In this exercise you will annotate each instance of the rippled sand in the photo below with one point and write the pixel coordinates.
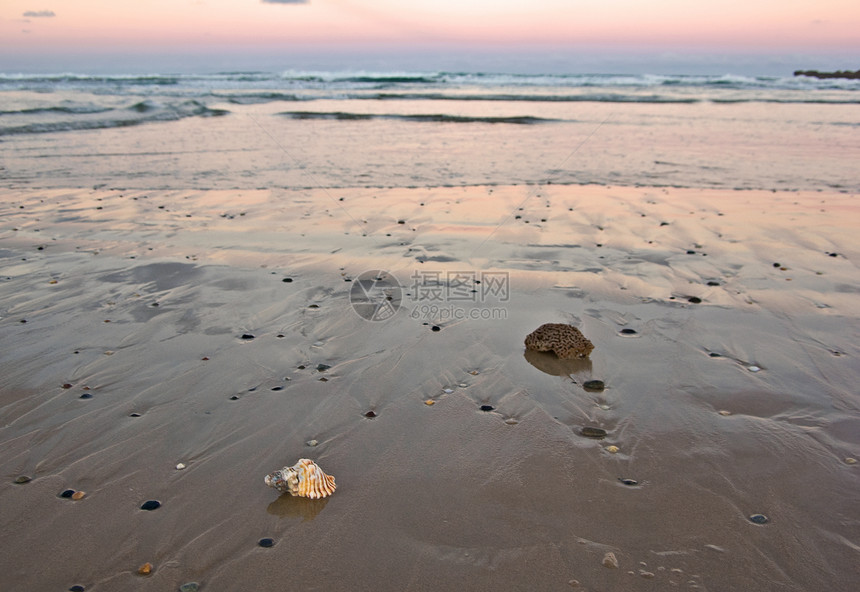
(732, 392)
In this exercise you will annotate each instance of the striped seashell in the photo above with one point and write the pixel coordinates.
(303, 479)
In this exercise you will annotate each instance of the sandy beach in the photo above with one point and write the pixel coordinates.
(214, 328)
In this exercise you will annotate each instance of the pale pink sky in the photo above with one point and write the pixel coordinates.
(43, 27)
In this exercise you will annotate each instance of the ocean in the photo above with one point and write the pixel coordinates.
(414, 129)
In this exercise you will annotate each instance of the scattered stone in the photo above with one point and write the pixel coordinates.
(150, 505)
(429, 402)
(67, 385)
(436, 328)
(487, 407)
(266, 543)
(777, 265)
(612, 449)
(610, 561)
(189, 587)
(759, 519)
(725, 412)
(715, 355)
(511, 421)
(474, 372)
(145, 569)
(646, 574)
(314, 306)
(68, 493)
(86, 396)
(592, 432)
(848, 461)
(628, 331)
(713, 283)
(180, 466)
(277, 388)
(311, 442)
(593, 385)
(628, 482)
(25, 479)
(573, 583)
(322, 367)
(447, 391)
(78, 495)
(287, 280)
(234, 398)
(247, 336)
(753, 368)
(370, 415)
(77, 588)
(694, 300)
(565, 341)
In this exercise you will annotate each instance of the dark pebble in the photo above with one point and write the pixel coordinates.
(322, 367)
(777, 265)
(370, 415)
(287, 280)
(759, 519)
(22, 479)
(487, 407)
(694, 299)
(591, 432)
(68, 493)
(247, 336)
(67, 386)
(234, 398)
(314, 306)
(134, 415)
(630, 482)
(628, 331)
(189, 587)
(691, 252)
(834, 254)
(300, 367)
(715, 355)
(77, 589)
(401, 221)
(277, 388)
(150, 505)
(436, 328)
(713, 283)
(86, 396)
(594, 385)
(266, 543)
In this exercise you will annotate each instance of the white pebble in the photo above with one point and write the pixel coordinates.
(180, 466)
(753, 368)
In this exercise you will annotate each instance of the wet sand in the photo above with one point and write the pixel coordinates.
(725, 331)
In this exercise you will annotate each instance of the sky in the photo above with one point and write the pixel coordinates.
(171, 35)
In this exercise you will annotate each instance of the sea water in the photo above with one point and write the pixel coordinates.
(413, 129)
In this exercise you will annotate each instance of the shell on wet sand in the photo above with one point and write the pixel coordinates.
(566, 341)
(303, 479)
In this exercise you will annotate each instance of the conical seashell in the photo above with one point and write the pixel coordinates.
(303, 479)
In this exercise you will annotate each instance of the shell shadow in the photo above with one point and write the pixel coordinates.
(287, 506)
(549, 363)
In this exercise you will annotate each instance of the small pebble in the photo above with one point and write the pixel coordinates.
(715, 355)
(628, 331)
(592, 432)
(573, 583)
(277, 388)
(848, 461)
(78, 495)
(474, 372)
(759, 519)
(247, 336)
(180, 466)
(487, 407)
(77, 589)
(145, 569)
(234, 398)
(311, 442)
(370, 414)
(725, 412)
(150, 505)
(322, 367)
(694, 300)
(753, 368)
(447, 391)
(86, 396)
(436, 328)
(25, 479)
(610, 561)
(429, 402)
(189, 587)
(511, 421)
(612, 449)
(593, 385)
(628, 482)
(67, 386)
(68, 493)
(287, 280)
(266, 543)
